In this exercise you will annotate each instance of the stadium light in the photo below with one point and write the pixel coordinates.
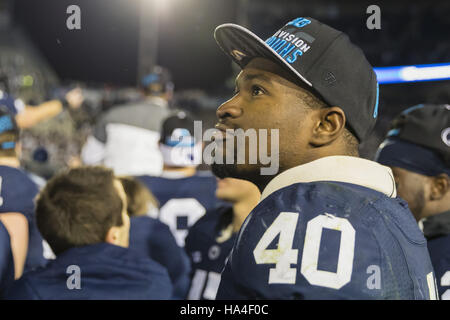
(414, 73)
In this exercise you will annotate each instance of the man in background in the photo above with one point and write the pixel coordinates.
(417, 149)
(126, 137)
(184, 193)
(211, 238)
(153, 238)
(28, 116)
(17, 192)
(82, 213)
(13, 249)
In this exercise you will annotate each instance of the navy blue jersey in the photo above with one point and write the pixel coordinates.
(101, 271)
(6, 261)
(182, 200)
(153, 238)
(17, 194)
(208, 247)
(439, 249)
(437, 230)
(329, 240)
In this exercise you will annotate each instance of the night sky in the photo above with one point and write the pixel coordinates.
(105, 49)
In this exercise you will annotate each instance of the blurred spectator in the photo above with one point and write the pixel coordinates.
(153, 238)
(28, 116)
(417, 148)
(141, 201)
(82, 214)
(211, 238)
(17, 193)
(126, 137)
(7, 263)
(183, 193)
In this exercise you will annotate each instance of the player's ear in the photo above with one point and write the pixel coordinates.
(440, 185)
(113, 235)
(329, 125)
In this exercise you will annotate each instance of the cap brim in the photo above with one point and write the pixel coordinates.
(242, 45)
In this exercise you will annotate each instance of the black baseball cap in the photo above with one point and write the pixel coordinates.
(426, 125)
(158, 81)
(178, 130)
(321, 57)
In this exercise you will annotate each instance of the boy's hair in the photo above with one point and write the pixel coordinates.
(78, 207)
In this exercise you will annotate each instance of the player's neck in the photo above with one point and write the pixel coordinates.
(183, 171)
(10, 162)
(241, 209)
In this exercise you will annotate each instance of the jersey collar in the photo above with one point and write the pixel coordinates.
(347, 169)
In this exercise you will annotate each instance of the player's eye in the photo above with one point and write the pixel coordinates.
(257, 91)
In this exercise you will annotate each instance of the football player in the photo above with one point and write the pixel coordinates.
(7, 263)
(211, 238)
(183, 193)
(125, 138)
(154, 238)
(17, 191)
(417, 148)
(329, 224)
(28, 116)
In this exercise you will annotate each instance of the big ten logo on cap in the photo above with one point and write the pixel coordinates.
(291, 45)
(299, 22)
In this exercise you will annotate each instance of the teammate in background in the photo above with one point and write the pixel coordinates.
(211, 238)
(82, 213)
(13, 249)
(153, 238)
(417, 149)
(184, 194)
(141, 202)
(324, 226)
(28, 116)
(7, 263)
(126, 137)
(17, 193)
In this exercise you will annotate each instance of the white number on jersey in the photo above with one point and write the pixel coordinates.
(212, 280)
(285, 225)
(284, 256)
(174, 209)
(445, 282)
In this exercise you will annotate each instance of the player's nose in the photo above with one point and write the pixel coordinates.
(228, 110)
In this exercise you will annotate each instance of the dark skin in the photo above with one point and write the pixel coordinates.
(268, 97)
(426, 196)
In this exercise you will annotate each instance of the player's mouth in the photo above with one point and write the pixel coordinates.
(223, 132)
